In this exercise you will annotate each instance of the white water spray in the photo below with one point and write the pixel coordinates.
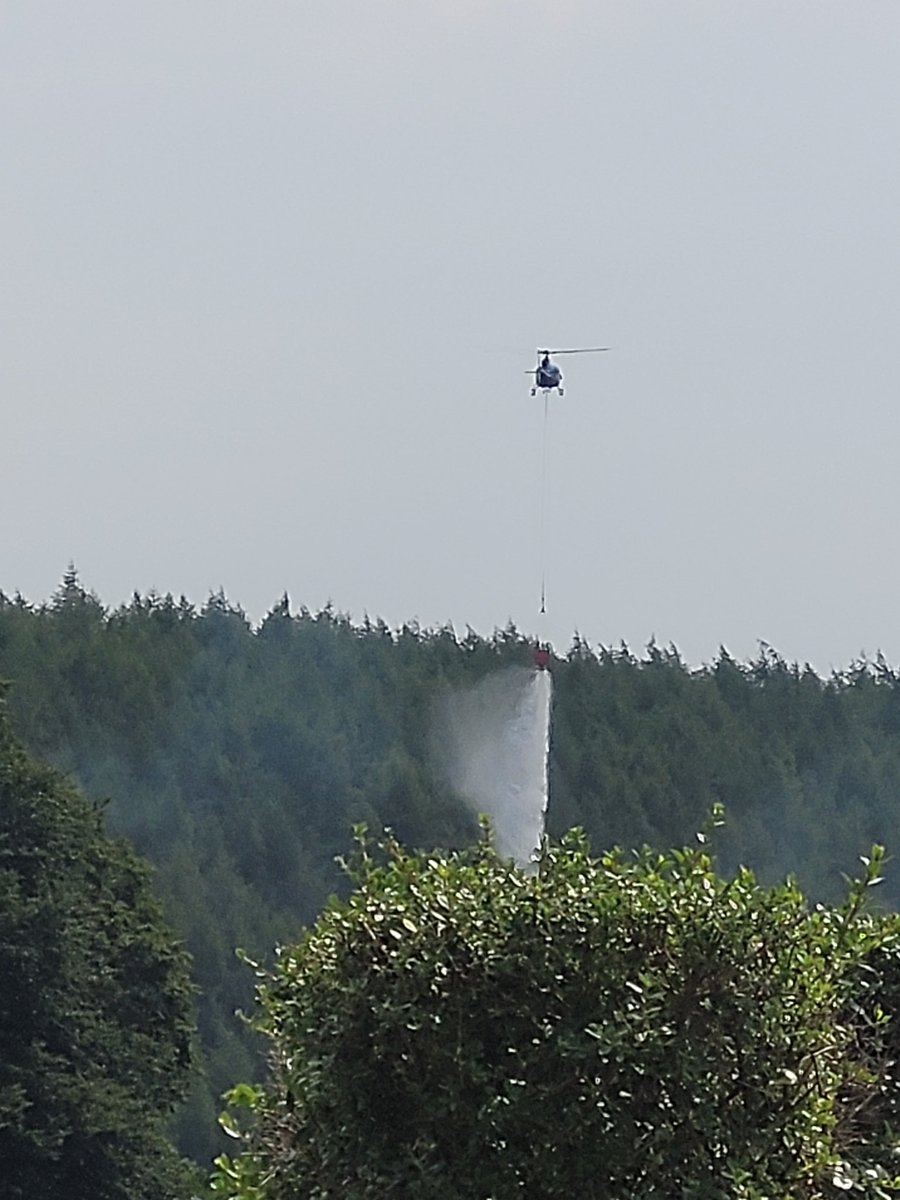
(493, 743)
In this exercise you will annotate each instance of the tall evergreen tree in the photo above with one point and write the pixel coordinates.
(95, 1007)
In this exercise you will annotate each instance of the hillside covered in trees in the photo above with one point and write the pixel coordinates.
(237, 759)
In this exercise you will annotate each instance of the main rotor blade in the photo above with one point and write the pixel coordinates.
(585, 350)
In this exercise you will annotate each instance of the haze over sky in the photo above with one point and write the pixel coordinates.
(272, 274)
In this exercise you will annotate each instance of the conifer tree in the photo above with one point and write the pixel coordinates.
(95, 1007)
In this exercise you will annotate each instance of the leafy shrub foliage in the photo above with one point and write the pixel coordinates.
(623, 1026)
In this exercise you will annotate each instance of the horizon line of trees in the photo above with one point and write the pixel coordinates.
(238, 758)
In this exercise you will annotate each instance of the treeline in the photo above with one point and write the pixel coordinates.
(237, 758)
(808, 769)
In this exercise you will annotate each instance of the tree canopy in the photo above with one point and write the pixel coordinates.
(623, 1025)
(96, 1011)
(237, 757)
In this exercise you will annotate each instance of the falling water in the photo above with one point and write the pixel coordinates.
(493, 743)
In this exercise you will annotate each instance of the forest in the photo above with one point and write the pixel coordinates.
(237, 758)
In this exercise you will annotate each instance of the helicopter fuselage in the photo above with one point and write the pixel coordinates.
(548, 377)
(547, 374)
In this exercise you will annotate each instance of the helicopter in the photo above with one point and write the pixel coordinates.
(547, 374)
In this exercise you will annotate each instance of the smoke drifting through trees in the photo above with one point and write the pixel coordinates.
(492, 743)
(238, 759)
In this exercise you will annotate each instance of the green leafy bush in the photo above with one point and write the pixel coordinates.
(616, 1027)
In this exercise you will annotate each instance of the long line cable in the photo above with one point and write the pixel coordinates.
(544, 440)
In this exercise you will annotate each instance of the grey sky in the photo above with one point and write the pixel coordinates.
(272, 274)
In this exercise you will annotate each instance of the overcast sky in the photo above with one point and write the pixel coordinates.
(272, 274)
